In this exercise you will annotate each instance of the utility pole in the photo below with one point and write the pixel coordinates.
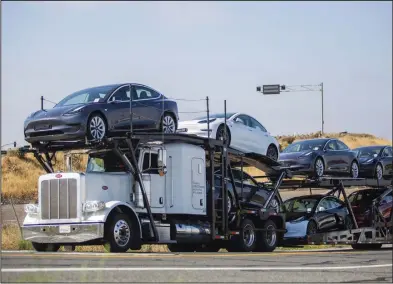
(278, 89)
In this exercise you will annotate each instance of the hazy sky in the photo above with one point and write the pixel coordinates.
(218, 49)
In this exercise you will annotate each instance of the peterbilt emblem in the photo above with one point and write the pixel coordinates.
(58, 175)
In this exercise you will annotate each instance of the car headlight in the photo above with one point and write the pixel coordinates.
(75, 110)
(369, 161)
(93, 206)
(31, 209)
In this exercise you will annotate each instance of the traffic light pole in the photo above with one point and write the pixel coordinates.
(277, 89)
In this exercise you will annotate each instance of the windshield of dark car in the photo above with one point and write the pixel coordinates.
(300, 205)
(304, 146)
(86, 96)
(368, 152)
(217, 115)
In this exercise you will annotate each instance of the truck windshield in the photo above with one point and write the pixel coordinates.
(105, 162)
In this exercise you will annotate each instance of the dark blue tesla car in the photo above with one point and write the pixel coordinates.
(375, 161)
(320, 156)
(96, 112)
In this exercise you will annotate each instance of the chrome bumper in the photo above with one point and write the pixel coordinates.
(60, 233)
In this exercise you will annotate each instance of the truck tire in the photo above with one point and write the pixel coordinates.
(45, 247)
(267, 241)
(182, 247)
(247, 239)
(118, 233)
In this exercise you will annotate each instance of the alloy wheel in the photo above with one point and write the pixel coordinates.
(248, 235)
(379, 171)
(168, 124)
(319, 168)
(354, 170)
(121, 233)
(97, 127)
(271, 235)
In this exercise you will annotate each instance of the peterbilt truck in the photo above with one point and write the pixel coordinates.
(155, 193)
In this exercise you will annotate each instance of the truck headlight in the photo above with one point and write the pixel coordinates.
(92, 206)
(31, 209)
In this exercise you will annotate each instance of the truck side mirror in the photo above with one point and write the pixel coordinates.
(161, 160)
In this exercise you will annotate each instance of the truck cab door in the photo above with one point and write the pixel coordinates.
(198, 183)
(153, 182)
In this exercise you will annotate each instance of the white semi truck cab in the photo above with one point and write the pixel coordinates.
(156, 193)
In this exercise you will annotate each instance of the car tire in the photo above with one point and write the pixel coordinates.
(247, 239)
(312, 228)
(118, 233)
(96, 127)
(272, 152)
(354, 171)
(267, 240)
(379, 171)
(45, 247)
(319, 168)
(220, 134)
(168, 124)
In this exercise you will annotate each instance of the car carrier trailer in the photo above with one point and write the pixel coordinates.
(379, 233)
(172, 203)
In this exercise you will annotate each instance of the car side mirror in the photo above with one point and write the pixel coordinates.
(321, 208)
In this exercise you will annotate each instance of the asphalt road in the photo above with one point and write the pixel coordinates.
(345, 266)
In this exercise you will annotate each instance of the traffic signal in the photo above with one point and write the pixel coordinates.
(14, 144)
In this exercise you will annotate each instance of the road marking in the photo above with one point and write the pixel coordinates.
(164, 255)
(217, 268)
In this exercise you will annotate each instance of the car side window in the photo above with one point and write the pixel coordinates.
(243, 119)
(122, 94)
(143, 93)
(256, 124)
(334, 203)
(341, 145)
(323, 205)
(331, 146)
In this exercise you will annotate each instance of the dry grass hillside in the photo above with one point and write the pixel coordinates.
(20, 173)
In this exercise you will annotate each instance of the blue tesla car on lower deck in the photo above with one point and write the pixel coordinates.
(95, 112)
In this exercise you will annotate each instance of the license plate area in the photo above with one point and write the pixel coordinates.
(64, 229)
(43, 127)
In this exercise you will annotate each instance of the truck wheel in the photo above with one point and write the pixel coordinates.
(118, 233)
(181, 247)
(267, 240)
(246, 240)
(45, 247)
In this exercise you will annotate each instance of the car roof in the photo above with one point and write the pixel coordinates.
(315, 139)
(311, 196)
(371, 147)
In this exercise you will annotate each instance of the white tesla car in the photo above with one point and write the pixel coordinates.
(244, 132)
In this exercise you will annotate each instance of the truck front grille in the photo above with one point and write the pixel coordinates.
(59, 199)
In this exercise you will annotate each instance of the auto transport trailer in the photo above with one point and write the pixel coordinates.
(152, 189)
(379, 232)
